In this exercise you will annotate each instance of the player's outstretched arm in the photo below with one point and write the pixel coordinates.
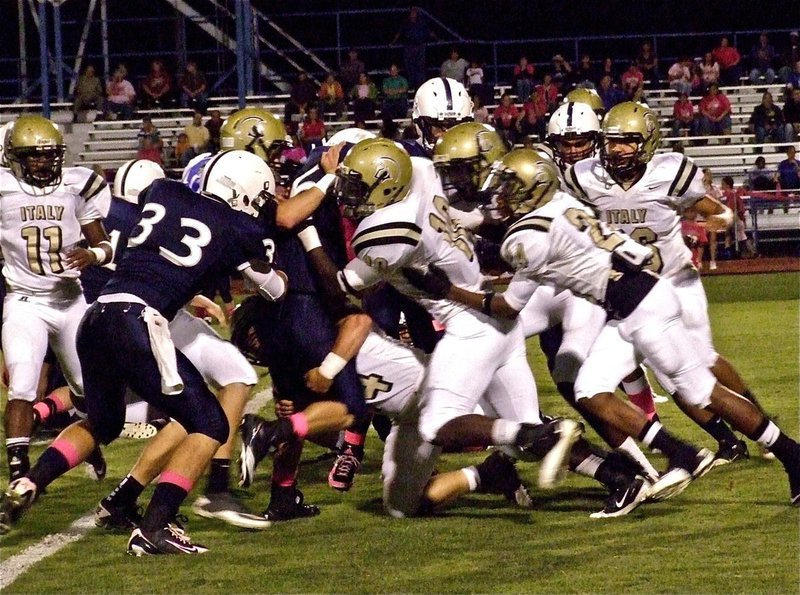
(353, 331)
(718, 216)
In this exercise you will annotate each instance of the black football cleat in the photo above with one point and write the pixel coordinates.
(730, 452)
(287, 504)
(110, 516)
(168, 540)
(344, 469)
(499, 476)
(624, 499)
(258, 440)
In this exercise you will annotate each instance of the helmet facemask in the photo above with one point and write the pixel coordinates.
(431, 129)
(353, 192)
(37, 166)
(572, 147)
(624, 166)
(463, 178)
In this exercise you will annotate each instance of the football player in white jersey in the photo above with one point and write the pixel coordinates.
(643, 193)
(405, 222)
(566, 324)
(558, 241)
(45, 211)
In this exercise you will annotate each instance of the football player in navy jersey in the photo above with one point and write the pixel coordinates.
(181, 239)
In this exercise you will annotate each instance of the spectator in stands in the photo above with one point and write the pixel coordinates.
(150, 143)
(698, 86)
(761, 57)
(562, 74)
(395, 95)
(683, 117)
(632, 80)
(610, 95)
(714, 192)
(549, 91)
(479, 112)
(789, 170)
(532, 119)
(121, 95)
(331, 96)
(715, 112)
(648, 63)
(794, 77)
(302, 94)
(523, 78)
(198, 137)
(474, 78)
(389, 129)
(454, 67)
(312, 130)
(710, 68)
(767, 121)
(728, 59)
(350, 70)
(607, 69)
(414, 34)
(760, 178)
(737, 233)
(791, 113)
(214, 123)
(88, 92)
(790, 57)
(680, 75)
(586, 73)
(181, 146)
(363, 96)
(505, 118)
(194, 90)
(157, 86)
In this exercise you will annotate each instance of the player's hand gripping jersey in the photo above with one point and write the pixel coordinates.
(38, 230)
(649, 211)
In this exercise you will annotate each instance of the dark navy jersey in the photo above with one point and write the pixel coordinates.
(414, 149)
(121, 219)
(184, 240)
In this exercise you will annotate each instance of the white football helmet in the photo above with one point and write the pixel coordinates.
(442, 103)
(4, 130)
(134, 176)
(349, 135)
(241, 179)
(573, 133)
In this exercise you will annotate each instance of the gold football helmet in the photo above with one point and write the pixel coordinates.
(588, 96)
(628, 123)
(375, 173)
(35, 151)
(255, 130)
(463, 157)
(523, 180)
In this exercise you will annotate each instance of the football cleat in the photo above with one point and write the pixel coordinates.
(553, 442)
(168, 540)
(95, 463)
(138, 430)
(287, 504)
(225, 507)
(670, 484)
(624, 499)
(730, 452)
(794, 484)
(258, 440)
(344, 469)
(660, 398)
(112, 517)
(704, 461)
(18, 497)
(499, 476)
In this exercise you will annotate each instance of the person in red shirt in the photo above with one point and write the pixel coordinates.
(728, 59)
(734, 201)
(632, 79)
(523, 78)
(505, 118)
(549, 92)
(312, 131)
(683, 122)
(715, 112)
(532, 120)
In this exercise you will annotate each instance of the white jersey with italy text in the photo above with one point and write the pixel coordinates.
(650, 210)
(563, 245)
(38, 231)
(415, 232)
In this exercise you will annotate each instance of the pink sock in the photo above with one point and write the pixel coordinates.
(179, 480)
(67, 450)
(299, 424)
(354, 438)
(283, 477)
(43, 410)
(644, 401)
(60, 405)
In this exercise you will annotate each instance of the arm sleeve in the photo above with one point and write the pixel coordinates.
(271, 286)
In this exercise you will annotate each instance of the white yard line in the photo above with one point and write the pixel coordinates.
(13, 567)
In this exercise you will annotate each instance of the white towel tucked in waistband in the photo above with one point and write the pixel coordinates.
(163, 350)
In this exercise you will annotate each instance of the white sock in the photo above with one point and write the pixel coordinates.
(504, 431)
(473, 479)
(769, 436)
(632, 449)
(589, 465)
(136, 412)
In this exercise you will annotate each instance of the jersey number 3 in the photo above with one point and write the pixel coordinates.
(152, 214)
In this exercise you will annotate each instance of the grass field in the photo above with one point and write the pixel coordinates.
(730, 532)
